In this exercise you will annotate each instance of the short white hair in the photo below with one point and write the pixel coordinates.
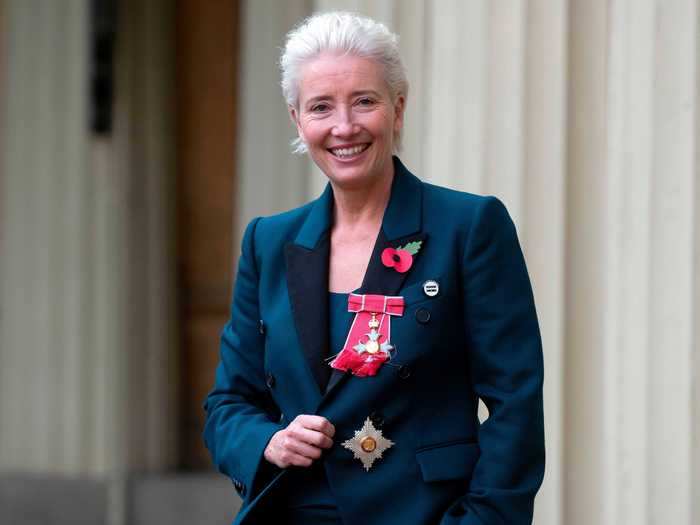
(345, 33)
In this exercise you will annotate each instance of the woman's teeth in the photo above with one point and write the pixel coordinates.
(349, 152)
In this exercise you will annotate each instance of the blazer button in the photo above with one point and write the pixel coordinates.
(404, 372)
(422, 315)
(261, 327)
(377, 419)
(270, 381)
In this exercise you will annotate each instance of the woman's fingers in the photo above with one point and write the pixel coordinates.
(301, 442)
(285, 458)
(299, 447)
(317, 423)
(288, 458)
(311, 437)
(278, 452)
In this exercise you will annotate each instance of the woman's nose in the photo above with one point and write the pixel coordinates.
(344, 124)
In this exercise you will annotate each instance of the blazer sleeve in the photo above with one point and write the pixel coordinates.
(240, 410)
(507, 374)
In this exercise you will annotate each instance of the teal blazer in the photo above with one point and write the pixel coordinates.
(477, 338)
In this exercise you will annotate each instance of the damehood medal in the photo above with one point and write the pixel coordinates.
(368, 345)
(368, 445)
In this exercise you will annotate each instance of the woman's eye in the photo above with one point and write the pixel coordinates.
(365, 102)
(319, 108)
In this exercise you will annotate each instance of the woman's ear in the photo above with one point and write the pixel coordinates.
(294, 117)
(399, 107)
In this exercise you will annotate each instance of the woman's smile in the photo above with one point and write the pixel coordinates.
(348, 152)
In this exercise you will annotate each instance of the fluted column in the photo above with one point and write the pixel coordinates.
(626, 346)
(143, 156)
(674, 219)
(585, 292)
(271, 179)
(633, 216)
(87, 351)
(46, 342)
(542, 220)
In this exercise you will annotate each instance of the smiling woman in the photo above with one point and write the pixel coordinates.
(367, 324)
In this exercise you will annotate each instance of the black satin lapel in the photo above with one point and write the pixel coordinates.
(379, 280)
(307, 281)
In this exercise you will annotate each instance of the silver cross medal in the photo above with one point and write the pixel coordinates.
(372, 346)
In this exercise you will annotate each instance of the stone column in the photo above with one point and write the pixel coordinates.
(271, 179)
(542, 220)
(631, 388)
(673, 222)
(46, 355)
(625, 253)
(87, 350)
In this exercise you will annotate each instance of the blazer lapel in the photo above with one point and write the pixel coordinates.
(401, 224)
(307, 282)
(380, 279)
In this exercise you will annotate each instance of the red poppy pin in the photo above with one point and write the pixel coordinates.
(401, 258)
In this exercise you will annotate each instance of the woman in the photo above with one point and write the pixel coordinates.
(367, 324)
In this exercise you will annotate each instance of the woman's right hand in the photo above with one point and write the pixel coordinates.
(301, 442)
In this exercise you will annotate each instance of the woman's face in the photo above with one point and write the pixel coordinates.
(347, 119)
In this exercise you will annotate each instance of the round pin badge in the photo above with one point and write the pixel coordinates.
(431, 288)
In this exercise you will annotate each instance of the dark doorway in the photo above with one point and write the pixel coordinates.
(207, 68)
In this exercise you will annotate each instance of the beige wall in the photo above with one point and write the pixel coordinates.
(582, 116)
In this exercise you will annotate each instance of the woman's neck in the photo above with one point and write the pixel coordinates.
(358, 208)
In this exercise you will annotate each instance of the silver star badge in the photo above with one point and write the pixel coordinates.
(368, 444)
